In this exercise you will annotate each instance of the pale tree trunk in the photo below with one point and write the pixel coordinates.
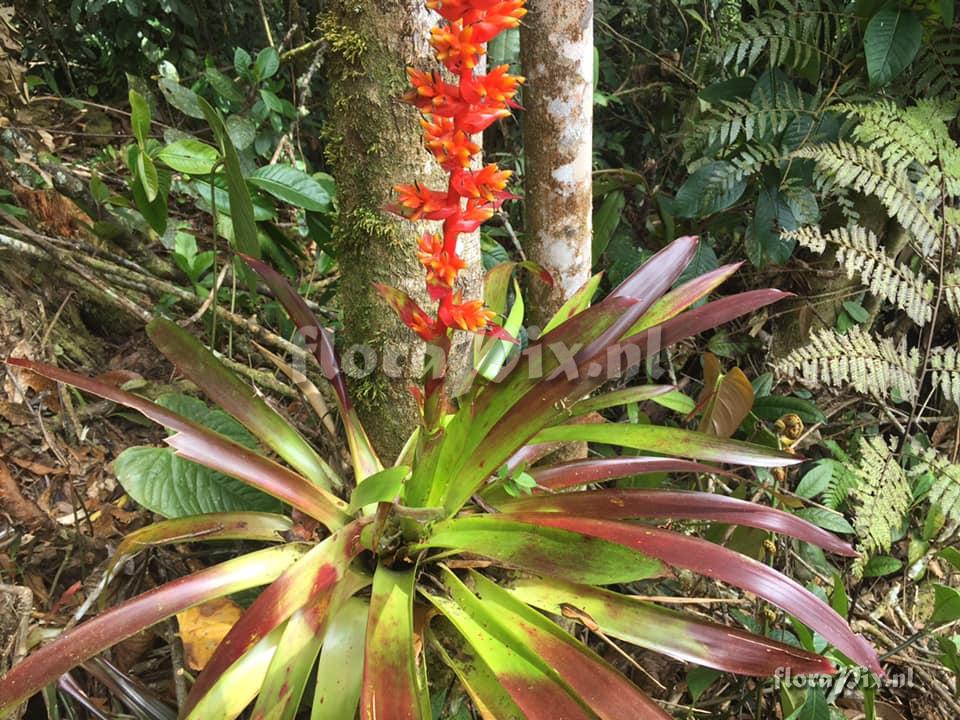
(374, 142)
(557, 56)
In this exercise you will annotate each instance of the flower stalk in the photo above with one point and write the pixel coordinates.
(453, 113)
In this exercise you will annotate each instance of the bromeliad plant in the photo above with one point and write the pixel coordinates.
(431, 561)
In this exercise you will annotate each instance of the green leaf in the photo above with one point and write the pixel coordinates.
(242, 131)
(699, 679)
(139, 116)
(948, 11)
(383, 486)
(147, 174)
(676, 401)
(815, 707)
(223, 86)
(189, 156)
(292, 186)
(241, 61)
(183, 99)
(173, 487)
(267, 64)
(816, 480)
(340, 668)
(952, 556)
(946, 605)
(856, 311)
(711, 188)
(891, 41)
(882, 565)
(773, 407)
(827, 519)
(241, 206)
(605, 221)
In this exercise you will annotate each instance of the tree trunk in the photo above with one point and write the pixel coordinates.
(557, 55)
(373, 140)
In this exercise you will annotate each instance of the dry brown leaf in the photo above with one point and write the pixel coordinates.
(202, 628)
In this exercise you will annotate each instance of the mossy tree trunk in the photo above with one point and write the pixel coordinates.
(556, 43)
(373, 141)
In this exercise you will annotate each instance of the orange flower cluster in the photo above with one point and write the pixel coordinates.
(453, 114)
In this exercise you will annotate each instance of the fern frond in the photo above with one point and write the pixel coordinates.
(935, 72)
(944, 496)
(793, 32)
(882, 495)
(860, 254)
(945, 366)
(862, 169)
(951, 291)
(842, 483)
(868, 365)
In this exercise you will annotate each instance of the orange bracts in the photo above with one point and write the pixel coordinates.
(453, 113)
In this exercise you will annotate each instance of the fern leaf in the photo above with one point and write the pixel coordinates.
(944, 495)
(860, 254)
(863, 169)
(945, 364)
(882, 495)
(951, 291)
(868, 365)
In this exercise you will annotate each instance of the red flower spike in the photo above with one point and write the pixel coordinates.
(452, 115)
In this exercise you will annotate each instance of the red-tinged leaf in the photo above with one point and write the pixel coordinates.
(218, 453)
(679, 299)
(656, 275)
(637, 393)
(531, 688)
(320, 342)
(616, 504)
(319, 338)
(211, 449)
(726, 399)
(236, 688)
(496, 282)
(311, 581)
(237, 398)
(490, 699)
(409, 312)
(605, 691)
(107, 629)
(263, 527)
(722, 564)
(391, 680)
(577, 303)
(681, 636)
(585, 472)
(543, 551)
(340, 668)
(515, 426)
(670, 441)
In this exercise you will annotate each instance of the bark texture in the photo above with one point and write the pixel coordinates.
(373, 141)
(557, 55)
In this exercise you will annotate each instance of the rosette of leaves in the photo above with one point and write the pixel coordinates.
(431, 560)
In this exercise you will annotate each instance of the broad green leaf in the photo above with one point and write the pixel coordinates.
(605, 221)
(340, 668)
(890, 42)
(139, 117)
(292, 186)
(882, 565)
(173, 487)
(946, 604)
(577, 303)
(147, 174)
(383, 486)
(773, 407)
(224, 86)
(816, 480)
(952, 556)
(183, 99)
(827, 519)
(242, 131)
(699, 679)
(267, 64)
(545, 551)
(676, 401)
(189, 156)
(711, 188)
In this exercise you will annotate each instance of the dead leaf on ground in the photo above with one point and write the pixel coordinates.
(202, 628)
